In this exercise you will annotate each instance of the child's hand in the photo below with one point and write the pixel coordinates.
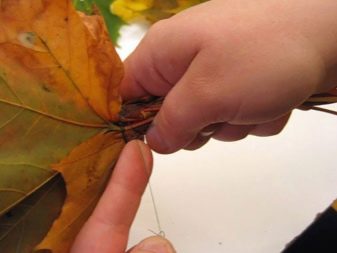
(232, 68)
(107, 230)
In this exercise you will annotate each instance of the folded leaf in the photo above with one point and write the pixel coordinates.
(26, 224)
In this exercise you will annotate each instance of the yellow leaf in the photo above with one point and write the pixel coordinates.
(60, 115)
(85, 171)
(54, 30)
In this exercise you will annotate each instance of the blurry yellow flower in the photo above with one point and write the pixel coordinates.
(130, 9)
(153, 10)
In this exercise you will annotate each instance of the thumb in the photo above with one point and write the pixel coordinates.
(154, 244)
(158, 64)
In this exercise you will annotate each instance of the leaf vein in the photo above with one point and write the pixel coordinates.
(18, 246)
(24, 164)
(104, 147)
(28, 194)
(11, 89)
(66, 72)
(28, 212)
(12, 190)
(57, 118)
(30, 129)
(11, 119)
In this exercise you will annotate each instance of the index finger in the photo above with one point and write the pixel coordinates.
(107, 229)
(159, 61)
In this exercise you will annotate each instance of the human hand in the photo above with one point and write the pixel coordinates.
(107, 229)
(233, 68)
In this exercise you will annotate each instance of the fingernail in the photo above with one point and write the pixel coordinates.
(210, 130)
(206, 134)
(156, 244)
(156, 141)
(145, 152)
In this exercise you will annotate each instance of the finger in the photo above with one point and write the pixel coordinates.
(230, 132)
(203, 137)
(271, 128)
(107, 229)
(198, 142)
(200, 98)
(155, 66)
(154, 244)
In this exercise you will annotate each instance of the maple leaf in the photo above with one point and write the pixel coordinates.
(62, 125)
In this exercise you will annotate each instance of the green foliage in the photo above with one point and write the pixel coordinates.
(112, 21)
(85, 6)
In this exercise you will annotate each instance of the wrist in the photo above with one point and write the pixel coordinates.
(316, 22)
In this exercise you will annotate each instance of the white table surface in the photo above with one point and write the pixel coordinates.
(249, 196)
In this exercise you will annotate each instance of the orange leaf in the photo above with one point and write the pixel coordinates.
(60, 114)
(59, 77)
(86, 170)
(53, 31)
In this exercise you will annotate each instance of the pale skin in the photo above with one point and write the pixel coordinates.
(227, 69)
(107, 230)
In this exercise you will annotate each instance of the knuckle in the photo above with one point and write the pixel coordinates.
(168, 118)
(157, 31)
(173, 124)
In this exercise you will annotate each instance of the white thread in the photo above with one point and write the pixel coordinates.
(161, 232)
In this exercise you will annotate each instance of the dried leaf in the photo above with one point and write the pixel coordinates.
(59, 77)
(85, 171)
(20, 229)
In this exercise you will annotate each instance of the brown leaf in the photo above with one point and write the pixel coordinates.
(19, 229)
(59, 77)
(59, 106)
(86, 171)
(58, 41)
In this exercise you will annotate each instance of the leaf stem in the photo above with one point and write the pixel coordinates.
(139, 124)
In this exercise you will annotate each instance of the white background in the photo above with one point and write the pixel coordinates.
(250, 196)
